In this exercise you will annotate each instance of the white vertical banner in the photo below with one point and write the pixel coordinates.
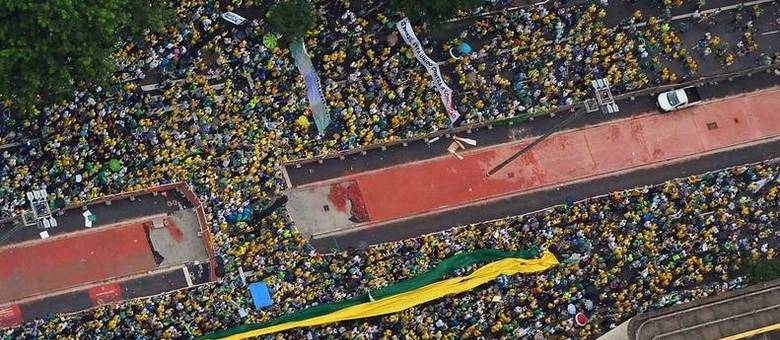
(319, 109)
(405, 28)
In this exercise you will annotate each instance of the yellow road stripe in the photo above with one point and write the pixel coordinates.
(753, 332)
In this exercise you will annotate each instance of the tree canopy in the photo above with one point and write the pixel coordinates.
(49, 47)
(434, 11)
(291, 18)
(761, 270)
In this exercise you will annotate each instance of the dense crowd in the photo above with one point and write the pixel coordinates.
(623, 253)
(224, 115)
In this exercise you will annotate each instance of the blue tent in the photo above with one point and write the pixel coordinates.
(260, 295)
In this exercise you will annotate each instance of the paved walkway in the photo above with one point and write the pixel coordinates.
(124, 255)
(48, 266)
(120, 210)
(407, 190)
(417, 150)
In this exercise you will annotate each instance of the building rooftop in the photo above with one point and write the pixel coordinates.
(732, 313)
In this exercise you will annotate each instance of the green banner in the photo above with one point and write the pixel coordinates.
(446, 267)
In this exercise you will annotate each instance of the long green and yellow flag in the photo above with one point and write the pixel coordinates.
(403, 295)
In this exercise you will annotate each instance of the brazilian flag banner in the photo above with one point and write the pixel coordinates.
(405, 294)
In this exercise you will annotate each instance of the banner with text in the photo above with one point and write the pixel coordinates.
(313, 88)
(405, 28)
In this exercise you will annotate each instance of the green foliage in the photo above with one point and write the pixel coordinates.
(291, 18)
(49, 47)
(434, 11)
(763, 270)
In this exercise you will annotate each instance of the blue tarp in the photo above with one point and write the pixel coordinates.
(464, 48)
(260, 295)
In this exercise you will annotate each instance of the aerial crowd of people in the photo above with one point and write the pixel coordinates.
(223, 113)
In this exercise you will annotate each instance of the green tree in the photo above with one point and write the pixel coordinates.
(434, 11)
(762, 270)
(50, 47)
(291, 18)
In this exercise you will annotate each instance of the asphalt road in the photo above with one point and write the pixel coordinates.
(133, 288)
(722, 26)
(534, 201)
(420, 150)
(121, 210)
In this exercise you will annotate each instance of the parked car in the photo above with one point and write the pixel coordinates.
(678, 99)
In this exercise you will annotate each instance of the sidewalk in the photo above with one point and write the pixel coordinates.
(418, 150)
(389, 194)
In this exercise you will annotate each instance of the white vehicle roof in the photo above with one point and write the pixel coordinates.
(671, 100)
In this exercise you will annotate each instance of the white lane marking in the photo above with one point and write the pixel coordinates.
(771, 32)
(507, 9)
(643, 24)
(112, 291)
(712, 10)
(187, 275)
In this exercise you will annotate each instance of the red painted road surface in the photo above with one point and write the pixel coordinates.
(416, 188)
(10, 316)
(49, 266)
(104, 294)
